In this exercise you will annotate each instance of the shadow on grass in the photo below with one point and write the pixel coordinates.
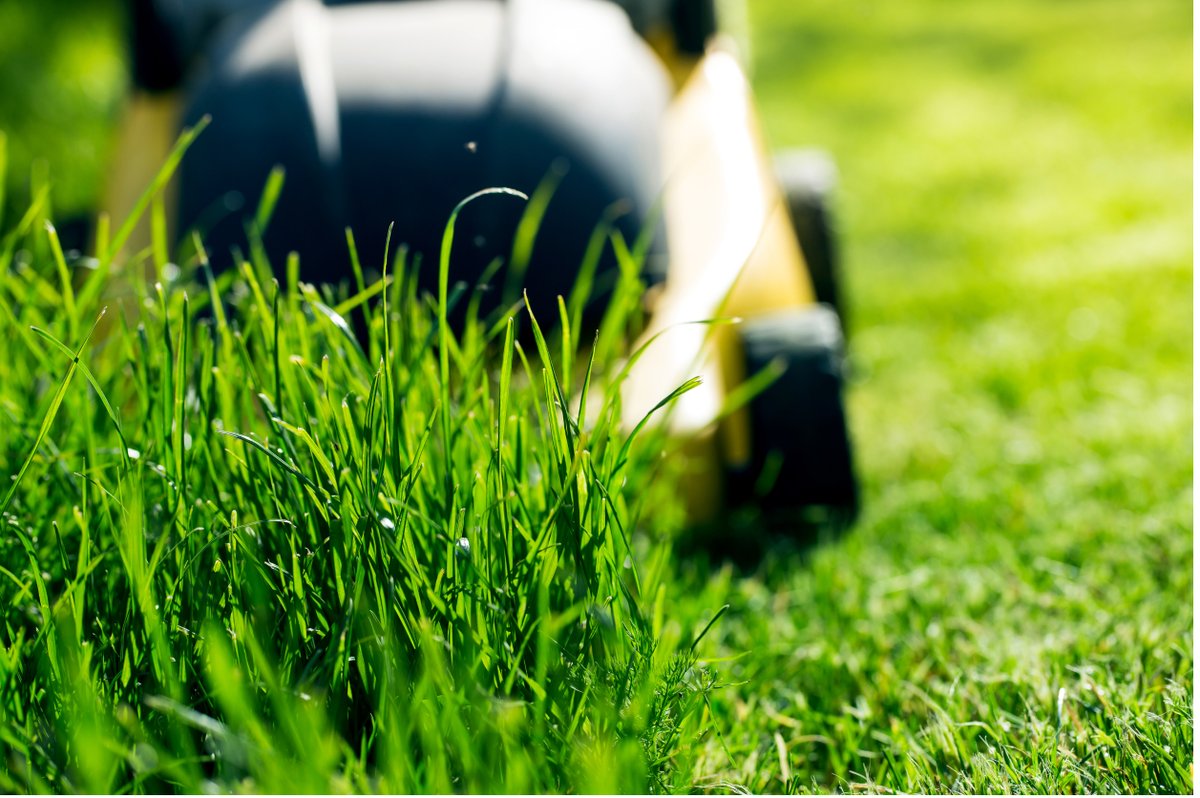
(747, 537)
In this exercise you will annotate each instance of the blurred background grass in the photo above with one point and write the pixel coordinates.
(62, 75)
(1016, 204)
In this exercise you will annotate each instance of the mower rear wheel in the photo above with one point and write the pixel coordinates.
(808, 179)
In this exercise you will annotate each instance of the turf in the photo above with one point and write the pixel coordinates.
(1012, 612)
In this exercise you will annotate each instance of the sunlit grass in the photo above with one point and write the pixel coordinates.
(1014, 611)
(247, 549)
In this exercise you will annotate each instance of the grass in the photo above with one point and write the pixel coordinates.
(249, 551)
(61, 78)
(1012, 612)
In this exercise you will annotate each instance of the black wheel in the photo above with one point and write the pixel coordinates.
(694, 22)
(808, 178)
(801, 465)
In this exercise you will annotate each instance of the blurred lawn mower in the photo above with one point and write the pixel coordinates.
(641, 115)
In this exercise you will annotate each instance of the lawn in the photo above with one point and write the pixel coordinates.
(1017, 598)
(295, 609)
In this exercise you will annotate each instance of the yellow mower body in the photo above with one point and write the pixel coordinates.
(734, 256)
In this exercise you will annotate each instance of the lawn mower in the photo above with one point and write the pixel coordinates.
(637, 111)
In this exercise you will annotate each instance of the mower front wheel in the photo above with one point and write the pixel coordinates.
(800, 465)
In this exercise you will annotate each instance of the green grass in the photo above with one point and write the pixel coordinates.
(247, 551)
(1013, 611)
(60, 82)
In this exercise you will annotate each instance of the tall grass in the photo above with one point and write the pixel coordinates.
(250, 548)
